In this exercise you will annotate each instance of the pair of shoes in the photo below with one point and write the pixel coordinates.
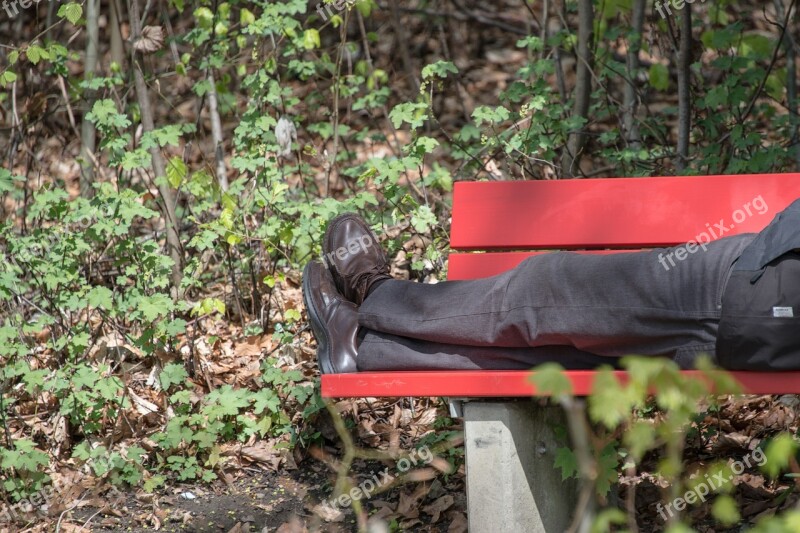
(352, 264)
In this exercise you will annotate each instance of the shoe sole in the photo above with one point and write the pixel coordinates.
(320, 333)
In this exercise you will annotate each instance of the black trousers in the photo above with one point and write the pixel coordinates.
(576, 309)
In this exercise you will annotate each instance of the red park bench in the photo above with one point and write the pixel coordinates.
(512, 484)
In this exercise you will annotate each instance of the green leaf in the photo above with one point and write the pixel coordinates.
(175, 327)
(311, 39)
(365, 7)
(755, 46)
(639, 438)
(659, 77)
(424, 145)
(104, 113)
(722, 38)
(610, 402)
(164, 136)
(246, 17)
(7, 180)
(72, 12)
(680, 527)
(101, 297)
(226, 218)
(266, 400)
(153, 483)
(172, 374)
(606, 518)
(205, 17)
(301, 394)
(440, 69)
(607, 468)
(490, 115)
(779, 451)
(414, 113)
(549, 379)
(176, 171)
(424, 219)
(155, 306)
(776, 83)
(35, 53)
(7, 78)
(566, 461)
(208, 306)
(725, 510)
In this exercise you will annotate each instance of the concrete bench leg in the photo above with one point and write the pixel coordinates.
(512, 484)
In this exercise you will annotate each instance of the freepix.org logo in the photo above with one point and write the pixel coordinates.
(352, 247)
(701, 489)
(11, 7)
(756, 206)
(380, 480)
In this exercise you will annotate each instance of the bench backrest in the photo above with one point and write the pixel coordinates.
(602, 215)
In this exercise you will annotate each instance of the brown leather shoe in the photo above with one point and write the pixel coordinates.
(333, 319)
(352, 254)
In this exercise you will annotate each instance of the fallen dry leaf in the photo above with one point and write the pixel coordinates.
(143, 407)
(458, 523)
(438, 507)
(66, 527)
(407, 506)
(295, 525)
(328, 513)
(152, 40)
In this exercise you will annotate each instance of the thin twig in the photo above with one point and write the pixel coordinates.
(684, 101)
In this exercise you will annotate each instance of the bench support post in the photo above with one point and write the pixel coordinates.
(512, 484)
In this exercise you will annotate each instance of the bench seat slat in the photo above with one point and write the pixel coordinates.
(610, 212)
(507, 383)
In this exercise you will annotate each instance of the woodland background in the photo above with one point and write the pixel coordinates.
(168, 168)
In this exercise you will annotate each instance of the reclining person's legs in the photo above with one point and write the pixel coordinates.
(647, 303)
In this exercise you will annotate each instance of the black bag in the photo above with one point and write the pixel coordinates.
(760, 324)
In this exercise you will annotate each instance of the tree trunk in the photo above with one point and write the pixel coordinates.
(216, 131)
(791, 80)
(570, 160)
(631, 102)
(159, 167)
(88, 133)
(117, 49)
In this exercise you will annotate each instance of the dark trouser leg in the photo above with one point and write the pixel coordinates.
(646, 303)
(383, 351)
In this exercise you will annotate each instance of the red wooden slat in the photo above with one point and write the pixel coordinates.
(610, 213)
(511, 383)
